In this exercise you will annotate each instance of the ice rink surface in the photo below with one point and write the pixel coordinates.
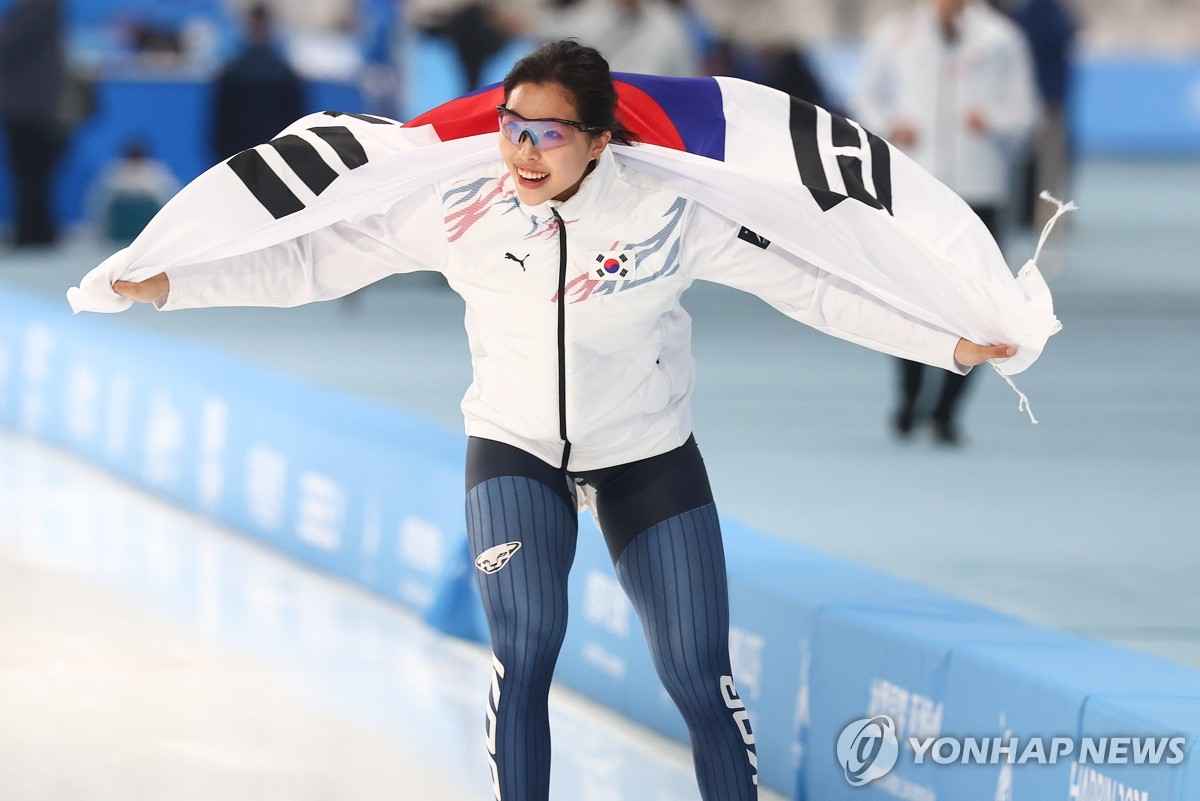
(132, 632)
(147, 655)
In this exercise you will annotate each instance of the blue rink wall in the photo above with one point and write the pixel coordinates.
(374, 496)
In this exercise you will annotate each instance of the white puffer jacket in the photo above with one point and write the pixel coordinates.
(579, 343)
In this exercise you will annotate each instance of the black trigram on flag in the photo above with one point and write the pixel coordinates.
(835, 164)
(304, 160)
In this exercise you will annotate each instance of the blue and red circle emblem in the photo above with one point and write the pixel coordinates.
(611, 266)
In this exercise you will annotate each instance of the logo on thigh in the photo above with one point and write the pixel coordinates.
(495, 558)
(742, 719)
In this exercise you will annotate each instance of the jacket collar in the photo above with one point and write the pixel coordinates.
(591, 194)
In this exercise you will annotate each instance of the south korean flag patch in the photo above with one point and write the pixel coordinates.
(614, 265)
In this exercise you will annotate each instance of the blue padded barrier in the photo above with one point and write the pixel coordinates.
(1143, 716)
(890, 660)
(366, 493)
(961, 671)
(777, 592)
(1045, 688)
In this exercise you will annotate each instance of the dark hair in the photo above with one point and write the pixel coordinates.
(584, 73)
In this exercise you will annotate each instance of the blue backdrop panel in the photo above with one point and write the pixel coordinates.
(1124, 106)
(171, 117)
(1137, 106)
(170, 15)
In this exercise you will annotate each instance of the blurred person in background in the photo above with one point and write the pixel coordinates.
(476, 30)
(950, 82)
(765, 43)
(304, 16)
(652, 37)
(257, 94)
(178, 35)
(33, 83)
(788, 69)
(382, 38)
(322, 40)
(781, 65)
(646, 36)
(769, 23)
(130, 192)
(1050, 28)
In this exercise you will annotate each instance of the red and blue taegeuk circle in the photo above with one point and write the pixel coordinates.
(611, 265)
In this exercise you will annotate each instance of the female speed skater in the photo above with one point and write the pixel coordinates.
(572, 257)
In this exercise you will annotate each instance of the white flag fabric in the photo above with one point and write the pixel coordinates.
(811, 182)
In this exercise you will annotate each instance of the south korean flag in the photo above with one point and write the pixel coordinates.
(614, 265)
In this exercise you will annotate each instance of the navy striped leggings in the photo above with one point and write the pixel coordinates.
(661, 528)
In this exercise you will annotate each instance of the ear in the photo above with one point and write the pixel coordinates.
(599, 143)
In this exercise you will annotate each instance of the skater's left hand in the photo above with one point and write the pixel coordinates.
(148, 291)
(969, 354)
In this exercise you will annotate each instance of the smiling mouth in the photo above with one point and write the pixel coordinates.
(531, 177)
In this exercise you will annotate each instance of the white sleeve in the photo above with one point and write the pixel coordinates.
(325, 264)
(717, 249)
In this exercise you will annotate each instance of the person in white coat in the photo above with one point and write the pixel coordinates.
(950, 82)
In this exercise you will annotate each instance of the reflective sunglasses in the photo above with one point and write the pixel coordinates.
(544, 134)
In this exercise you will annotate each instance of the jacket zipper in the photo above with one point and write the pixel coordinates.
(562, 338)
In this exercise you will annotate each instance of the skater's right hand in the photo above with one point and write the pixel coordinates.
(969, 354)
(148, 291)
